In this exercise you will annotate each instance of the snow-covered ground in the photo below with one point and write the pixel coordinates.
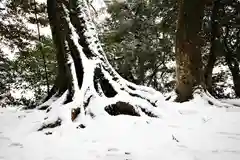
(190, 131)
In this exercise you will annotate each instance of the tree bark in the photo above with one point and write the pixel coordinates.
(63, 79)
(188, 49)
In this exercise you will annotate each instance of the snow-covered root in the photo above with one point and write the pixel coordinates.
(171, 97)
(206, 96)
(235, 102)
(48, 103)
(211, 100)
(100, 95)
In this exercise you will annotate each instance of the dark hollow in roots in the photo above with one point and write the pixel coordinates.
(121, 108)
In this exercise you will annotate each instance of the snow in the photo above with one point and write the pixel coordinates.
(235, 102)
(193, 130)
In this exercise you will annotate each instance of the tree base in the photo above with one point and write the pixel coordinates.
(206, 96)
(101, 94)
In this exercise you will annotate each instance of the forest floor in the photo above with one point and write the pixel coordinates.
(193, 130)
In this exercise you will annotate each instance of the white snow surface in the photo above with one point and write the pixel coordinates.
(193, 130)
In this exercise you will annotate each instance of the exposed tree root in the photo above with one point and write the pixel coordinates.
(51, 125)
(211, 100)
(47, 103)
(116, 100)
(74, 113)
(236, 104)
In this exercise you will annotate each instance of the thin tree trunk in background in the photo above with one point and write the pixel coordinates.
(41, 49)
(188, 49)
(212, 55)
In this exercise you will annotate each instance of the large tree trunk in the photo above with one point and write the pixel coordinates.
(188, 48)
(92, 86)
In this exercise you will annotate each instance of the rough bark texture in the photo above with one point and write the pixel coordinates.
(188, 48)
(63, 80)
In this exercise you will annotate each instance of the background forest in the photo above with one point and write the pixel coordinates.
(138, 37)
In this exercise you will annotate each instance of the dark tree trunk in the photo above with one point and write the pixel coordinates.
(208, 71)
(86, 82)
(233, 62)
(55, 15)
(63, 79)
(188, 48)
(212, 53)
(233, 65)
